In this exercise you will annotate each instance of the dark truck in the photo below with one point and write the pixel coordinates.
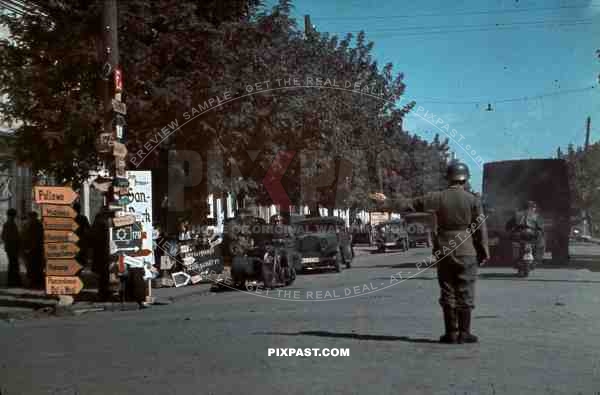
(508, 185)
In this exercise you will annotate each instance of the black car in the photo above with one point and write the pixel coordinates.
(420, 227)
(391, 235)
(323, 243)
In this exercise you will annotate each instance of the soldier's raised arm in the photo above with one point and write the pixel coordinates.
(400, 204)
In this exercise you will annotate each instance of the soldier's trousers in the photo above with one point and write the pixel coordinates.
(456, 277)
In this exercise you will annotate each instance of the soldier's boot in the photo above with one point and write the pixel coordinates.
(451, 335)
(464, 327)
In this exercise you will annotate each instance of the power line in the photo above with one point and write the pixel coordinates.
(483, 12)
(506, 100)
(495, 25)
(434, 32)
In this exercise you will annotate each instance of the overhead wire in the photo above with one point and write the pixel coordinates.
(505, 100)
(433, 31)
(482, 12)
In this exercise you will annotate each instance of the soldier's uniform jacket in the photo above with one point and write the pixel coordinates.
(460, 220)
(531, 220)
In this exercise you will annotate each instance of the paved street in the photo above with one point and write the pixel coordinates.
(538, 336)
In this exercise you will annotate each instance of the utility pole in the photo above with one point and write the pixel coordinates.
(308, 28)
(112, 137)
(588, 124)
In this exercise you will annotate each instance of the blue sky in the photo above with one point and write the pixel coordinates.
(545, 48)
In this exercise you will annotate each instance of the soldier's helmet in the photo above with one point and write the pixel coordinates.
(276, 219)
(11, 212)
(457, 171)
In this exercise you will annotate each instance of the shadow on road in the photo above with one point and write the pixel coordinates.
(504, 276)
(356, 336)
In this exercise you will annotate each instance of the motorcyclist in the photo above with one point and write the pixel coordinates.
(529, 220)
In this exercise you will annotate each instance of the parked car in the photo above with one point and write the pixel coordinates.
(323, 243)
(391, 234)
(420, 227)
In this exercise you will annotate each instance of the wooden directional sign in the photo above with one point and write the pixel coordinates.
(62, 285)
(123, 220)
(121, 182)
(62, 267)
(119, 107)
(120, 163)
(105, 142)
(60, 236)
(54, 195)
(52, 223)
(61, 250)
(119, 150)
(53, 210)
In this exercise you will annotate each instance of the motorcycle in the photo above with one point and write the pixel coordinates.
(524, 239)
(269, 264)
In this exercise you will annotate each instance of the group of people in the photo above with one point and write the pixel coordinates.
(28, 243)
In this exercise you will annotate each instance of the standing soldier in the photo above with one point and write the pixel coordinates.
(34, 251)
(460, 245)
(12, 244)
(101, 253)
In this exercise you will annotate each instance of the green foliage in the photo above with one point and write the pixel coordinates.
(584, 167)
(176, 54)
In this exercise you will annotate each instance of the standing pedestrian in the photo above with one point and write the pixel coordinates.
(83, 232)
(12, 245)
(460, 245)
(101, 253)
(34, 251)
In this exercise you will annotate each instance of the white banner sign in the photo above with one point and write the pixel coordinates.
(140, 194)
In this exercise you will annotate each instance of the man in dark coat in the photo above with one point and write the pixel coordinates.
(34, 251)
(101, 253)
(12, 244)
(83, 232)
(460, 245)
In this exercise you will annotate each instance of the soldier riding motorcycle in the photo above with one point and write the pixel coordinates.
(526, 230)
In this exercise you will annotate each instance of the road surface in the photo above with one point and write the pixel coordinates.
(538, 336)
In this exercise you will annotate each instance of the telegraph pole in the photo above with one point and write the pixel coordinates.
(588, 124)
(307, 26)
(111, 140)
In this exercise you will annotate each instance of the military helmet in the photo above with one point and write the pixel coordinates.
(11, 212)
(457, 171)
(276, 219)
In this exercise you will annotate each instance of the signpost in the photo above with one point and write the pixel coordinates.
(60, 240)
(61, 250)
(53, 210)
(60, 236)
(63, 285)
(123, 220)
(119, 150)
(63, 267)
(54, 195)
(53, 223)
